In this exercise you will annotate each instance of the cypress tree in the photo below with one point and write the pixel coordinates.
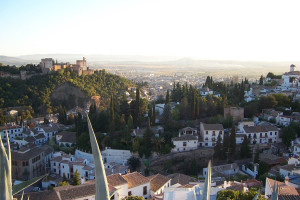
(148, 140)
(64, 179)
(153, 114)
(137, 107)
(76, 180)
(168, 97)
(111, 115)
(245, 149)
(233, 139)
(218, 149)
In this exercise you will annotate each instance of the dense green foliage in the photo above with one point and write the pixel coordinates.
(76, 179)
(36, 91)
(236, 195)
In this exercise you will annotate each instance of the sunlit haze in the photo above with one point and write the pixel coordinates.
(215, 29)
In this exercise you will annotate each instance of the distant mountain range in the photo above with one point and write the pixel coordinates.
(140, 61)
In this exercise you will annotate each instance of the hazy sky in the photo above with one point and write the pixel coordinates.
(208, 29)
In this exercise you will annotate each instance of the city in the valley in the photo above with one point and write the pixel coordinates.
(156, 139)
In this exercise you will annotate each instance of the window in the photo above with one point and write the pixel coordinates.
(206, 132)
(129, 193)
(206, 144)
(275, 133)
(54, 164)
(220, 132)
(214, 133)
(184, 144)
(54, 170)
(270, 133)
(145, 190)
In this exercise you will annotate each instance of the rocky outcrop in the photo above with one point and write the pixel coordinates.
(69, 96)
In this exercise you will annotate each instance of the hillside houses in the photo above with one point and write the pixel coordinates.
(209, 134)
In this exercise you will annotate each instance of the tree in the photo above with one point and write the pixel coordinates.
(184, 111)
(76, 179)
(233, 139)
(133, 163)
(261, 80)
(168, 97)
(256, 157)
(130, 123)
(267, 102)
(148, 135)
(263, 168)
(218, 149)
(288, 135)
(153, 114)
(166, 116)
(63, 183)
(137, 108)
(111, 115)
(245, 149)
(226, 144)
(64, 177)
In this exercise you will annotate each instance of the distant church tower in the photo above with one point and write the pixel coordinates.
(292, 68)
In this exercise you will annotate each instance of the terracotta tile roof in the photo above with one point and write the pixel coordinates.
(259, 129)
(284, 189)
(29, 139)
(116, 180)
(40, 136)
(8, 127)
(290, 167)
(56, 159)
(26, 153)
(252, 183)
(87, 167)
(45, 195)
(67, 136)
(66, 192)
(185, 137)
(213, 127)
(157, 181)
(182, 179)
(187, 186)
(289, 197)
(135, 179)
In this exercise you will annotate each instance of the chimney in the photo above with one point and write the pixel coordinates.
(286, 180)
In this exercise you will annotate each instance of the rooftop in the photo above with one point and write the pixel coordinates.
(157, 181)
(135, 179)
(213, 127)
(185, 137)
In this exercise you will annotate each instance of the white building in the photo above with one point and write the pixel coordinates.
(185, 143)
(223, 170)
(158, 184)
(12, 130)
(210, 133)
(138, 185)
(67, 164)
(115, 155)
(291, 78)
(262, 134)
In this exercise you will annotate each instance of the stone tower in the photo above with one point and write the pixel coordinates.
(292, 68)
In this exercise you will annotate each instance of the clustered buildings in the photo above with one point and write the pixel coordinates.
(48, 64)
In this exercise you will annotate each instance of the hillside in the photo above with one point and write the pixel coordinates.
(38, 90)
